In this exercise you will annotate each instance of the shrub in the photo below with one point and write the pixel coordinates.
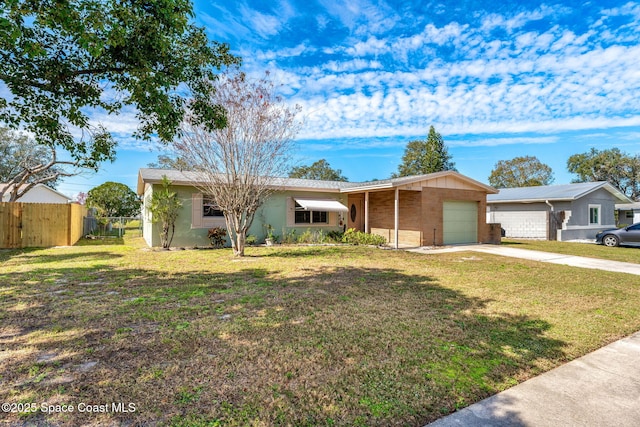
(251, 239)
(335, 236)
(306, 237)
(309, 236)
(354, 237)
(217, 235)
(289, 237)
(270, 234)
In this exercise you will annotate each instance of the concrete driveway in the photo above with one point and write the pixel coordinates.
(575, 261)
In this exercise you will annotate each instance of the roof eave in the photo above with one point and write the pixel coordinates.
(564, 199)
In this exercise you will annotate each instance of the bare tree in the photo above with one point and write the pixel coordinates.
(237, 164)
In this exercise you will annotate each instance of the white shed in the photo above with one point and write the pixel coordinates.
(39, 193)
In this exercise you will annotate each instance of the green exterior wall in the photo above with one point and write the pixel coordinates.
(273, 212)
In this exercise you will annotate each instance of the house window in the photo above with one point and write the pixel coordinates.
(205, 213)
(210, 208)
(303, 216)
(594, 214)
(629, 214)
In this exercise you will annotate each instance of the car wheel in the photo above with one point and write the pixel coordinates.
(610, 240)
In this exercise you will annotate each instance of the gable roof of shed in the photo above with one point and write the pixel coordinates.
(564, 192)
(39, 185)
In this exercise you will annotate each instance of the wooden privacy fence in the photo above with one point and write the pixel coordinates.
(24, 225)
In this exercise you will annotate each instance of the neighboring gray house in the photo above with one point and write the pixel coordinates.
(555, 212)
(628, 213)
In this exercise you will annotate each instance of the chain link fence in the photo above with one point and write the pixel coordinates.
(97, 227)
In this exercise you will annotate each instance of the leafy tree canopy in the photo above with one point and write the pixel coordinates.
(318, 170)
(526, 171)
(618, 168)
(113, 199)
(60, 58)
(422, 157)
(164, 206)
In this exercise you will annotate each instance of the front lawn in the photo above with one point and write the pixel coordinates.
(288, 335)
(625, 254)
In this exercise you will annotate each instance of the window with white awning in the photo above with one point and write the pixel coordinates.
(316, 211)
(323, 205)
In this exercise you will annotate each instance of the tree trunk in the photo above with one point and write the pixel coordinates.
(236, 234)
(238, 250)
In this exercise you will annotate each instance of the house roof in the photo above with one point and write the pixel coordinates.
(565, 192)
(154, 176)
(5, 185)
(414, 179)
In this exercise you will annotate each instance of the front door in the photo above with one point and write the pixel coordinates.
(355, 215)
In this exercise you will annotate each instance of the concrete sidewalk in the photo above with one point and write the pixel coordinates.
(599, 389)
(575, 261)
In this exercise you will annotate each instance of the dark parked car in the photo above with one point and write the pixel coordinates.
(620, 236)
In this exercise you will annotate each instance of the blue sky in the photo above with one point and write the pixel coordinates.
(496, 79)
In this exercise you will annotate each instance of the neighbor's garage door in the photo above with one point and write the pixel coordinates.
(460, 222)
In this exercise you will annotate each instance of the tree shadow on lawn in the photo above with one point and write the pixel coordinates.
(38, 255)
(330, 346)
(100, 241)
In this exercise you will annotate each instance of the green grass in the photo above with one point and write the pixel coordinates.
(624, 254)
(290, 335)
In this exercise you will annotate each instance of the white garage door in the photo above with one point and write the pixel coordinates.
(460, 222)
(522, 225)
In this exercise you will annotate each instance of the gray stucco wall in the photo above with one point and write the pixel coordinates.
(580, 208)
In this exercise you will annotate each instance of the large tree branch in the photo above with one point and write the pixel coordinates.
(24, 181)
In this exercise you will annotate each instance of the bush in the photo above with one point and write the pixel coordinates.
(306, 237)
(310, 237)
(217, 235)
(335, 236)
(354, 237)
(289, 237)
(251, 239)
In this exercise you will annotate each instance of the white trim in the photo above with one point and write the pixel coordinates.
(396, 216)
(599, 214)
(589, 227)
(200, 221)
(366, 212)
